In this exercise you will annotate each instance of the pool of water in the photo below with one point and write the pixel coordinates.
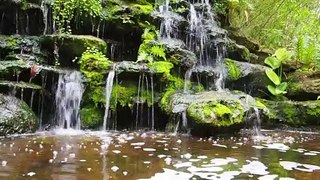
(67, 154)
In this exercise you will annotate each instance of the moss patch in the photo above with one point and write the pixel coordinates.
(234, 73)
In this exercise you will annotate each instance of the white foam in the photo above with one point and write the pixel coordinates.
(255, 167)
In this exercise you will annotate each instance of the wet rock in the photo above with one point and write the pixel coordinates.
(129, 66)
(16, 116)
(70, 47)
(294, 113)
(304, 85)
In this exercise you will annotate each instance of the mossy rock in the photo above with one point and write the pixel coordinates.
(71, 47)
(304, 85)
(16, 116)
(293, 113)
(237, 70)
(215, 113)
(238, 52)
(15, 44)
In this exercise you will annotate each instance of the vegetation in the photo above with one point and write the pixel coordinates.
(274, 24)
(64, 12)
(275, 62)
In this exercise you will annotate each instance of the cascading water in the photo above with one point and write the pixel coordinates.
(109, 85)
(68, 97)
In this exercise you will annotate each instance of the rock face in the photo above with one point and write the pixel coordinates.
(16, 116)
(70, 47)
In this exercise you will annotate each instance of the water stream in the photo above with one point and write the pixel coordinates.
(68, 97)
(108, 89)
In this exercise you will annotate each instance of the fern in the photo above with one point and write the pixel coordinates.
(158, 51)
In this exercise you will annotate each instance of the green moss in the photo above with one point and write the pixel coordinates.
(161, 67)
(234, 72)
(91, 117)
(217, 113)
(123, 95)
(94, 65)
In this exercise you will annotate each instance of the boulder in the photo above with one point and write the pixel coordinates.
(16, 116)
(70, 47)
(213, 108)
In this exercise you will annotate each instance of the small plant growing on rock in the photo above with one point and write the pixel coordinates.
(275, 73)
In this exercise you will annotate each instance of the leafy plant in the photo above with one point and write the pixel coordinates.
(306, 52)
(66, 11)
(149, 51)
(275, 62)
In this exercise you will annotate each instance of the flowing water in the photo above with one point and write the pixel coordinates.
(136, 155)
(109, 85)
(68, 97)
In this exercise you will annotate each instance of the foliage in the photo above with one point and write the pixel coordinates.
(306, 53)
(66, 11)
(275, 62)
(274, 23)
(128, 12)
(148, 50)
(233, 71)
(94, 65)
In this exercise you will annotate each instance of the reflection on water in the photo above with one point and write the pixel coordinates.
(135, 155)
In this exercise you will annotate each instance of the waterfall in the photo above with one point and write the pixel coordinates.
(257, 122)
(45, 10)
(109, 85)
(68, 97)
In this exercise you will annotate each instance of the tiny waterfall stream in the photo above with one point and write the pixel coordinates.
(108, 91)
(68, 98)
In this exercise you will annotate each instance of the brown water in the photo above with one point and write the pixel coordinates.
(135, 155)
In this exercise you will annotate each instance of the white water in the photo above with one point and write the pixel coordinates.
(68, 97)
(109, 85)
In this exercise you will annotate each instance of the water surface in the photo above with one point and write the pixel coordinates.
(137, 155)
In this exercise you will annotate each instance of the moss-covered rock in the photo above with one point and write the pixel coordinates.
(238, 52)
(70, 47)
(16, 116)
(304, 85)
(214, 113)
(294, 113)
(237, 70)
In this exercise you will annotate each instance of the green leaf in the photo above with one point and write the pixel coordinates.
(275, 90)
(273, 76)
(272, 90)
(273, 62)
(282, 54)
(282, 86)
